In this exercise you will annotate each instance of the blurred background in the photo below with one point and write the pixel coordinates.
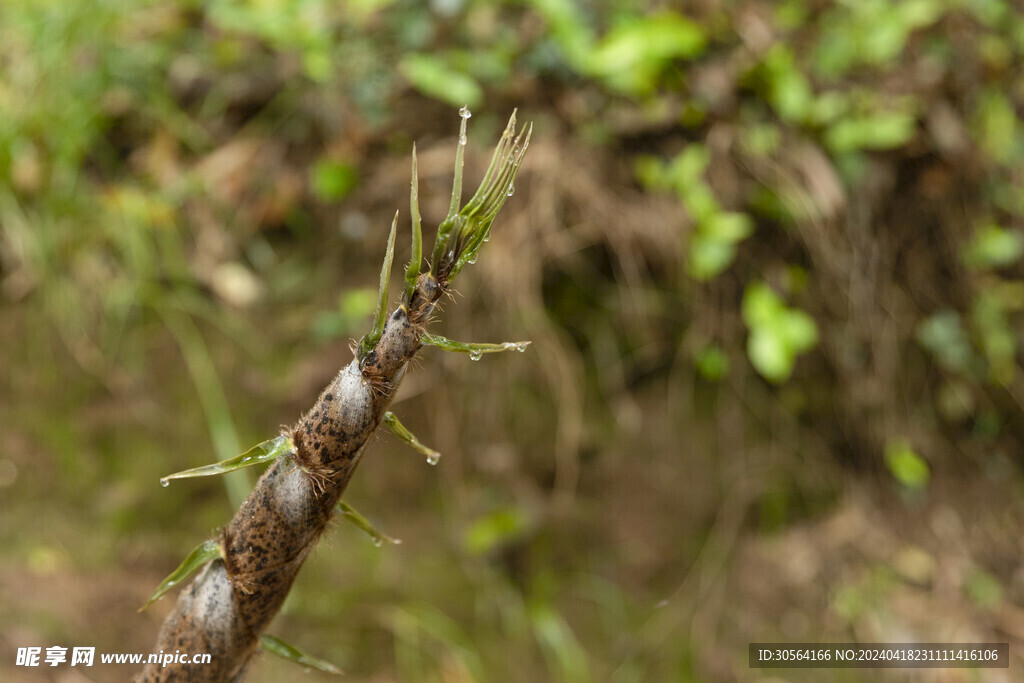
(768, 255)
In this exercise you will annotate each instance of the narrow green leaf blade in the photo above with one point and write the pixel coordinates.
(398, 429)
(379, 538)
(276, 646)
(202, 554)
(412, 272)
(367, 343)
(473, 349)
(265, 452)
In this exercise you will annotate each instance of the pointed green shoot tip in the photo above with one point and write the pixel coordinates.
(398, 429)
(460, 152)
(369, 341)
(412, 271)
(276, 646)
(268, 451)
(203, 553)
(461, 235)
(379, 538)
(497, 186)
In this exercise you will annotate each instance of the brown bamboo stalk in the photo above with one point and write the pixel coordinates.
(227, 606)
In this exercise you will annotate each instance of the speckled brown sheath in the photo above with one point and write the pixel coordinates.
(229, 603)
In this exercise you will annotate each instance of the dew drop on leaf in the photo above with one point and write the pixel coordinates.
(465, 113)
(475, 355)
(165, 482)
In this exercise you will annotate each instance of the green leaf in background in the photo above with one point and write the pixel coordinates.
(997, 126)
(433, 77)
(276, 646)
(879, 131)
(631, 57)
(906, 466)
(997, 339)
(566, 658)
(708, 256)
(789, 91)
(712, 363)
(728, 226)
(333, 180)
(354, 307)
(778, 333)
(495, 529)
(943, 336)
(994, 247)
(984, 589)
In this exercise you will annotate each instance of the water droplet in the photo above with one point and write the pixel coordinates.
(487, 237)
(511, 190)
(475, 355)
(465, 113)
(521, 348)
(433, 458)
(471, 261)
(165, 482)
(463, 140)
(377, 541)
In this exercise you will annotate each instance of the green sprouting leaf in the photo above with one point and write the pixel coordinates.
(473, 349)
(495, 529)
(268, 451)
(276, 646)
(392, 422)
(880, 131)
(202, 554)
(333, 180)
(906, 466)
(631, 57)
(412, 271)
(350, 514)
(463, 232)
(434, 78)
(369, 341)
(994, 247)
